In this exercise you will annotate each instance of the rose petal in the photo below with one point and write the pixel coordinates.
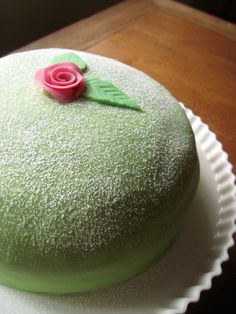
(47, 75)
(38, 78)
(78, 79)
(80, 88)
(64, 77)
(62, 70)
(71, 65)
(65, 89)
(65, 96)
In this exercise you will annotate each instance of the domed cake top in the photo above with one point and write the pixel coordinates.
(90, 194)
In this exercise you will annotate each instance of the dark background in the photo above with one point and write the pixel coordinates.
(221, 298)
(225, 9)
(22, 21)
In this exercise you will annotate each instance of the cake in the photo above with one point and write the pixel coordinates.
(93, 191)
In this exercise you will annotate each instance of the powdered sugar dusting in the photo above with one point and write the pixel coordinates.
(72, 175)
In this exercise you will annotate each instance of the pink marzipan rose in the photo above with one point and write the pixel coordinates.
(64, 81)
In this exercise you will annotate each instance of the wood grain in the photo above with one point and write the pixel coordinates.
(195, 16)
(196, 65)
(92, 30)
(190, 53)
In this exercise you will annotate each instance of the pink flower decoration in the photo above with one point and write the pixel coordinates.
(64, 81)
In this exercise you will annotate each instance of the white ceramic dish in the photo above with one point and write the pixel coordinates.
(183, 273)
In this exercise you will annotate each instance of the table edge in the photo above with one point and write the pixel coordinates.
(198, 17)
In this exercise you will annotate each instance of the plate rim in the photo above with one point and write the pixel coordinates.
(222, 169)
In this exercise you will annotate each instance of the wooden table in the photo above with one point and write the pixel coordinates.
(194, 56)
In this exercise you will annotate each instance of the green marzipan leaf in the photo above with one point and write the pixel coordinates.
(70, 57)
(105, 93)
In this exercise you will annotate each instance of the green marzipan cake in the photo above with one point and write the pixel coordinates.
(90, 194)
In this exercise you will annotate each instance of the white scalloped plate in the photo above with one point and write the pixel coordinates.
(183, 273)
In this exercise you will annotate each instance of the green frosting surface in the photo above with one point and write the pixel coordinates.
(90, 195)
